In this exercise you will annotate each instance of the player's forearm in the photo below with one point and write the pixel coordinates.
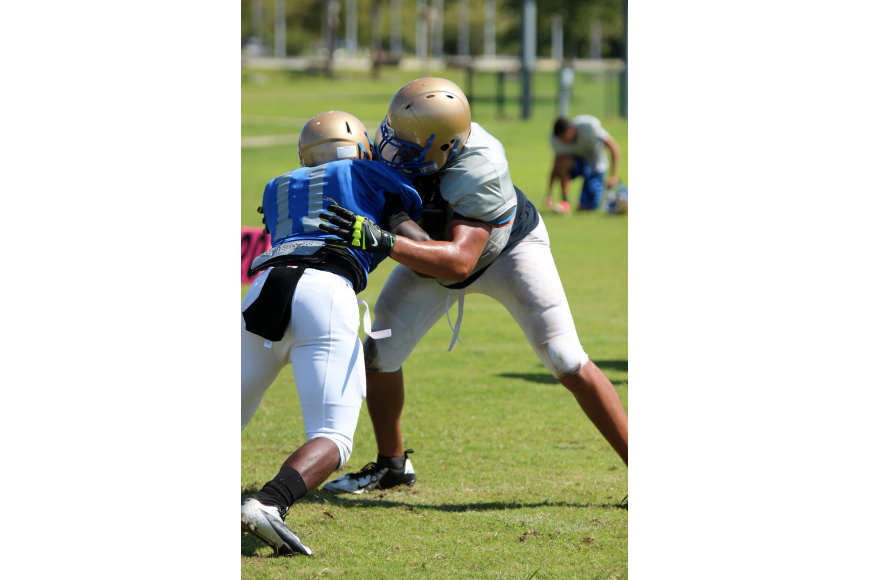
(412, 231)
(443, 260)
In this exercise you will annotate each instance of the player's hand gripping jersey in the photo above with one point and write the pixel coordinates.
(293, 202)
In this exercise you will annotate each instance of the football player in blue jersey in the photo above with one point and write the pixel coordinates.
(303, 308)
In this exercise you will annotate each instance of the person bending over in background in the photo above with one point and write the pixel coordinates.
(579, 146)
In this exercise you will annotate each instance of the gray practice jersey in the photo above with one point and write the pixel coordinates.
(476, 184)
(587, 145)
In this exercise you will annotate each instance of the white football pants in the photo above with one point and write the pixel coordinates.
(324, 348)
(524, 280)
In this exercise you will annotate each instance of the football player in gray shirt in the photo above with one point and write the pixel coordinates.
(479, 235)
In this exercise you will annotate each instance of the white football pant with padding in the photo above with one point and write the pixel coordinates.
(524, 280)
(323, 345)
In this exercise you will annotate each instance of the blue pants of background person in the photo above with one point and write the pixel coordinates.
(593, 184)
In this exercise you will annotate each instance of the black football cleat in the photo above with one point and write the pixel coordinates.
(373, 477)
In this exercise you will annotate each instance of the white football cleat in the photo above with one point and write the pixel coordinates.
(373, 477)
(267, 523)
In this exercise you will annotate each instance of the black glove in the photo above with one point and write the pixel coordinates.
(355, 232)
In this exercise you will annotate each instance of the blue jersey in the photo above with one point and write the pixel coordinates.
(293, 202)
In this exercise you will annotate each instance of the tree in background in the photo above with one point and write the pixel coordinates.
(577, 19)
(305, 30)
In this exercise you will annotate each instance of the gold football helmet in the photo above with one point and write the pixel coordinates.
(331, 136)
(427, 123)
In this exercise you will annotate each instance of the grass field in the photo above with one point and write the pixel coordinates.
(514, 481)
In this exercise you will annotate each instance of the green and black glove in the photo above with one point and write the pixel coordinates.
(355, 232)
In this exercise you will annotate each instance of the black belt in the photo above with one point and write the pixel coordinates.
(315, 255)
(336, 265)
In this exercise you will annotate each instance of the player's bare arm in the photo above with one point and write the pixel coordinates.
(395, 212)
(561, 171)
(453, 259)
(396, 220)
(412, 230)
(613, 146)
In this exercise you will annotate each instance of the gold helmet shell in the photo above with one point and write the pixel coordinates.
(427, 123)
(331, 136)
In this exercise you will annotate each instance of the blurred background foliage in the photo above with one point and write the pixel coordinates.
(305, 29)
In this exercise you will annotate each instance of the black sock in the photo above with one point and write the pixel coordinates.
(391, 462)
(286, 488)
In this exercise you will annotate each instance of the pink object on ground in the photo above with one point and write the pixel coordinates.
(254, 243)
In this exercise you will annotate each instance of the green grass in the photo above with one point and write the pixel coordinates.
(514, 481)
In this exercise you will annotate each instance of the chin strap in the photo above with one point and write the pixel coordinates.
(455, 147)
(458, 317)
(428, 145)
(363, 153)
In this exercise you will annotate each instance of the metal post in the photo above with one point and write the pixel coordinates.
(557, 38)
(595, 40)
(469, 82)
(499, 94)
(623, 77)
(463, 28)
(324, 24)
(377, 30)
(566, 82)
(613, 92)
(396, 30)
(422, 32)
(331, 9)
(529, 22)
(438, 28)
(257, 20)
(350, 27)
(377, 39)
(280, 29)
(489, 29)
